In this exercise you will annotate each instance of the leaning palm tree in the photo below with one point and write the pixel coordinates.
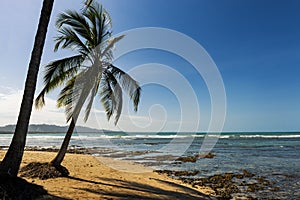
(87, 73)
(12, 160)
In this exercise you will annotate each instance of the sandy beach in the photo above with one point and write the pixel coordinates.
(105, 178)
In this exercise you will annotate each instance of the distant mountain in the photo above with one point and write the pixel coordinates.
(38, 128)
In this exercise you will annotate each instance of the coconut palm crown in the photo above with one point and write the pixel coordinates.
(90, 71)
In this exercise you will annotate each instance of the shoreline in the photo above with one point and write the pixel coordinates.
(88, 170)
(99, 178)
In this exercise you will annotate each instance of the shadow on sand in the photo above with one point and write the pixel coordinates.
(15, 188)
(18, 188)
(133, 190)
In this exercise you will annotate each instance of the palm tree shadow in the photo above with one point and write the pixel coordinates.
(133, 190)
(18, 188)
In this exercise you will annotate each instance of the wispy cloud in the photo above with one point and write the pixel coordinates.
(10, 101)
(7, 90)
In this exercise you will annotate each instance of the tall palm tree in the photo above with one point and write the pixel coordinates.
(12, 160)
(87, 73)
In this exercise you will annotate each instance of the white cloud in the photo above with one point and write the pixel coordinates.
(10, 101)
(10, 105)
(6, 90)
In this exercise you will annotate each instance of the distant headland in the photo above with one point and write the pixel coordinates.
(48, 128)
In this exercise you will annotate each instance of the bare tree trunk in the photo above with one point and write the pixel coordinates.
(64, 147)
(12, 160)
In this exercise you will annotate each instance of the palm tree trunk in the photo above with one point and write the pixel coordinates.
(64, 147)
(12, 160)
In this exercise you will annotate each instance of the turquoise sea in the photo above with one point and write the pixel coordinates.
(273, 155)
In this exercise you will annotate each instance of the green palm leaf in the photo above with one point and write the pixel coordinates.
(128, 84)
(69, 39)
(77, 22)
(111, 96)
(56, 73)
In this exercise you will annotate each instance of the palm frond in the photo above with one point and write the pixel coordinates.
(76, 21)
(58, 68)
(100, 23)
(87, 4)
(69, 98)
(69, 39)
(106, 25)
(116, 94)
(91, 16)
(66, 93)
(106, 96)
(56, 73)
(128, 84)
(74, 95)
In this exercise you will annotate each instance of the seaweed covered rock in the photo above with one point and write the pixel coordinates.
(177, 173)
(195, 157)
(188, 158)
(227, 185)
(208, 155)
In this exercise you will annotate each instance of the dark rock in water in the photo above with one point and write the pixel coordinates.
(188, 159)
(43, 171)
(226, 191)
(168, 172)
(248, 174)
(226, 185)
(263, 181)
(208, 155)
(177, 163)
(275, 189)
(222, 184)
(71, 149)
(239, 176)
(194, 158)
(177, 173)
(253, 187)
(186, 173)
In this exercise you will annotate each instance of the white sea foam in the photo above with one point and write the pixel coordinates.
(270, 136)
(5, 137)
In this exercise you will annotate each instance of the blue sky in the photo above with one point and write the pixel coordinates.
(255, 45)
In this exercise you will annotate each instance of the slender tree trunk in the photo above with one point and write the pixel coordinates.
(64, 147)
(12, 160)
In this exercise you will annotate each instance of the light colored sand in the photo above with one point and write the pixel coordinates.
(105, 178)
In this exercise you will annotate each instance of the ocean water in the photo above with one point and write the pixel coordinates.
(275, 156)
